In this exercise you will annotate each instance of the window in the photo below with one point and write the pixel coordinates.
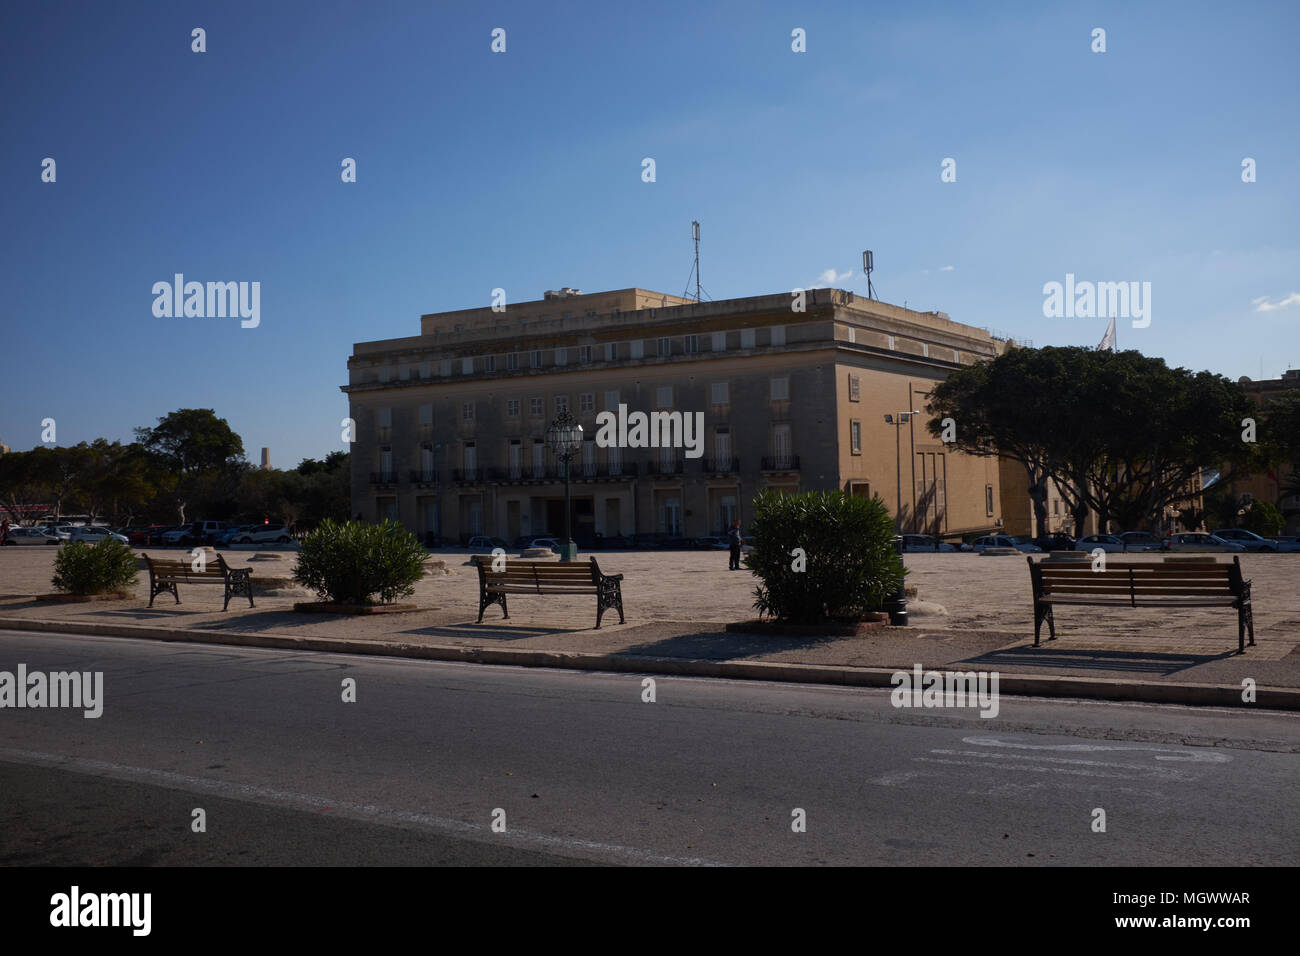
(467, 411)
(611, 351)
(891, 343)
(611, 401)
(855, 438)
(956, 356)
(778, 335)
(404, 372)
(426, 370)
(444, 367)
(855, 393)
(781, 389)
(426, 414)
(665, 347)
(539, 458)
(691, 344)
(589, 456)
(722, 448)
(637, 348)
(385, 373)
(467, 366)
(988, 499)
(584, 355)
(587, 402)
(537, 358)
(516, 458)
(535, 407)
(925, 349)
(561, 404)
(719, 341)
(746, 338)
(385, 418)
(489, 363)
(512, 362)
(1056, 507)
(512, 408)
(720, 394)
(561, 356)
(664, 396)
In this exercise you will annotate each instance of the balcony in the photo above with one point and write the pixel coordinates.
(384, 434)
(423, 478)
(720, 466)
(665, 466)
(781, 463)
(383, 478)
(467, 476)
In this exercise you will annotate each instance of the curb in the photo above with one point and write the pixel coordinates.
(1095, 688)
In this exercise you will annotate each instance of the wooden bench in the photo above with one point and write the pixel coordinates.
(166, 573)
(1200, 583)
(546, 577)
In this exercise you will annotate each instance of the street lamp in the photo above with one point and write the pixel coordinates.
(898, 420)
(896, 604)
(564, 439)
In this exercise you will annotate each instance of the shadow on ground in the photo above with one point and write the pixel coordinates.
(1058, 659)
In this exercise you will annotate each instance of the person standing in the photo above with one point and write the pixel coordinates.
(733, 538)
(4, 531)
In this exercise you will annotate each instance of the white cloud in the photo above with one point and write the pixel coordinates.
(1263, 305)
(830, 275)
(947, 268)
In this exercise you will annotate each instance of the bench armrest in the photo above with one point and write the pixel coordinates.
(612, 577)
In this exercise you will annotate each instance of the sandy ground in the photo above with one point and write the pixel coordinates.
(968, 608)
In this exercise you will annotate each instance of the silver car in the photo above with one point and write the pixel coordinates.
(21, 536)
(1200, 541)
(1247, 539)
(93, 534)
(1108, 543)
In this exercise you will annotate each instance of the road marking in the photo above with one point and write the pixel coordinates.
(1199, 755)
(316, 804)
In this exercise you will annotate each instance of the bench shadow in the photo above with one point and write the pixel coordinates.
(1054, 658)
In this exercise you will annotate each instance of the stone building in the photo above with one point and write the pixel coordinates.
(449, 425)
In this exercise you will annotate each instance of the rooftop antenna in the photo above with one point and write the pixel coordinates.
(868, 264)
(695, 270)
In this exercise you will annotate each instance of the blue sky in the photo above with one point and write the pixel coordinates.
(523, 170)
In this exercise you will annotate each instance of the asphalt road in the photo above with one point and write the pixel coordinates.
(415, 770)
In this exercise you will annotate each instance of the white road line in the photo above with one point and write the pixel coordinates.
(310, 802)
(1197, 755)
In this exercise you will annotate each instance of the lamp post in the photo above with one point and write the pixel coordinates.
(896, 605)
(898, 420)
(564, 439)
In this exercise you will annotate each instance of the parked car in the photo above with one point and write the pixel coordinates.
(224, 538)
(1109, 543)
(550, 543)
(145, 534)
(62, 532)
(709, 541)
(1291, 544)
(982, 544)
(1200, 541)
(1141, 541)
(1055, 542)
(924, 542)
(481, 541)
(1247, 539)
(264, 534)
(25, 536)
(176, 535)
(93, 534)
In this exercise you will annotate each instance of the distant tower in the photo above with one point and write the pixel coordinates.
(266, 459)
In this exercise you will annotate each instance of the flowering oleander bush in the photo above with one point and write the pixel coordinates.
(850, 561)
(348, 562)
(80, 568)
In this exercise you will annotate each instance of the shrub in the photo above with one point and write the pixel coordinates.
(1263, 518)
(80, 568)
(852, 561)
(348, 562)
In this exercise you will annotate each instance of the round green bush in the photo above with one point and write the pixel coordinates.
(822, 556)
(348, 562)
(1263, 518)
(80, 568)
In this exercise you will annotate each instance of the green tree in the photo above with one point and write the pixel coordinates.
(198, 450)
(1263, 518)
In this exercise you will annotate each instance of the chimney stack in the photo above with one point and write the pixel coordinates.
(266, 459)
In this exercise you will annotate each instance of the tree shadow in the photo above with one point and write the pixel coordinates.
(722, 645)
